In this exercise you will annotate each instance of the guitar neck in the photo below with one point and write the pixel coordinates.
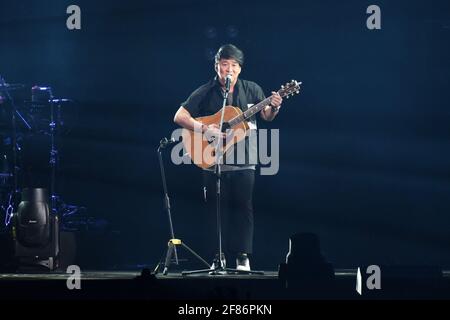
(287, 90)
(249, 113)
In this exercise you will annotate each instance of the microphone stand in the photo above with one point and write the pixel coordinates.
(173, 242)
(218, 173)
(166, 195)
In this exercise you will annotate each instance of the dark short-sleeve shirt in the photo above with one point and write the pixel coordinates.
(208, 99)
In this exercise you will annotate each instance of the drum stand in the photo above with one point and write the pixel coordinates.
(15, 192)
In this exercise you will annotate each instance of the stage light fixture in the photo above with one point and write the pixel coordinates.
(35, 231)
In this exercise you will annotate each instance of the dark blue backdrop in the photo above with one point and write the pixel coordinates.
(364, 155)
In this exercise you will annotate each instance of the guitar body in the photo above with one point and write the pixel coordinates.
(202, 151)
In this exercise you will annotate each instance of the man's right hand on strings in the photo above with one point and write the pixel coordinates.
(213, 131)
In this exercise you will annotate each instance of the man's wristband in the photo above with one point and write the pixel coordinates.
(274, 109)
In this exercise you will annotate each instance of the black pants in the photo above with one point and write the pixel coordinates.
(236, 211)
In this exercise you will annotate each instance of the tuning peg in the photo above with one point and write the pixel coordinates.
(287, 97)
(297, 91)
(282, 87)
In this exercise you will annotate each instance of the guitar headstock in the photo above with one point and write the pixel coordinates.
(289, 89)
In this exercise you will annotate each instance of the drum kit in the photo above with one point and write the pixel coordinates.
(30, 135)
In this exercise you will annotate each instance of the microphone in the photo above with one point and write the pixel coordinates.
(166, 142)
(228, 80)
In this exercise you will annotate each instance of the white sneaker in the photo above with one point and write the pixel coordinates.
(242, 263)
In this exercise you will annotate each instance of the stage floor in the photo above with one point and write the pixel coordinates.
(131, 285)
(128, 275)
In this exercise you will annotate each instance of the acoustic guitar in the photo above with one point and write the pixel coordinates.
(203, 151)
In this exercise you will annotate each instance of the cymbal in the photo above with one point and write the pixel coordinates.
(61, 100)
(45, 103)
(11, 86)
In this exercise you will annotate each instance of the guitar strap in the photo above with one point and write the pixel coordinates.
(230, 100)
(241, 100)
